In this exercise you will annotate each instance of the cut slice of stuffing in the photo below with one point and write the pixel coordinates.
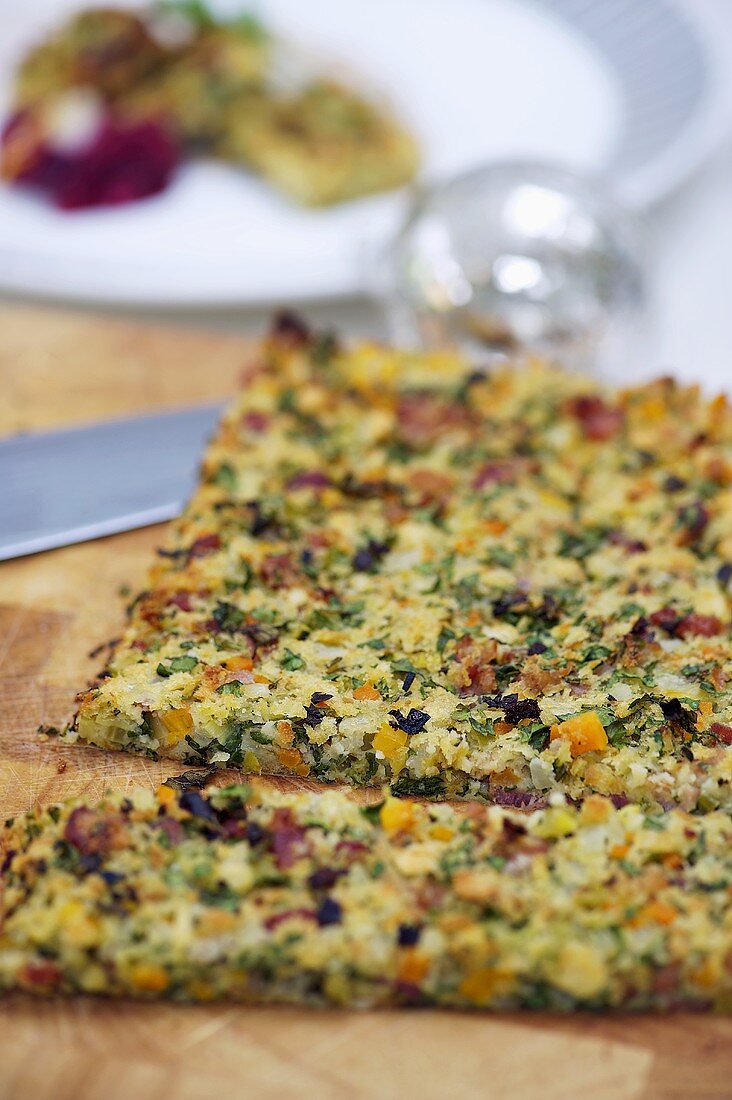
(304, 897)
(465, 585)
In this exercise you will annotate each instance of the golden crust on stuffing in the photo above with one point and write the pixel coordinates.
(468, 586)
(303, 897)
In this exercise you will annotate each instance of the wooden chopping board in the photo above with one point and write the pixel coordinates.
(58, 367)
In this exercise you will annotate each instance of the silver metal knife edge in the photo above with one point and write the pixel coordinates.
(79, 483)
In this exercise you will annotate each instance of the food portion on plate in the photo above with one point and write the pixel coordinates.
(321, 145)
(192, 84)
(399, 570)
(119, 163)
(303, 897)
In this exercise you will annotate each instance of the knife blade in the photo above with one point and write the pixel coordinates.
(76, 484)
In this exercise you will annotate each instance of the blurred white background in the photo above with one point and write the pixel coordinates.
(689, 262)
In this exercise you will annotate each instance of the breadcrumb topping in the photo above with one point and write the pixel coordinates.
(265, 896)
(487, 586)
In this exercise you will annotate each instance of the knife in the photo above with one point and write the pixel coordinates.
(76, 484)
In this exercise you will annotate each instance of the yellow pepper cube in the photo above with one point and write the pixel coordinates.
(239, 664)
(150, 978)
(396, 816)
(366, 691)
(584, 732)
(390, 741)
(558, 821)
(483, 984)
(654, 912)
(289, 758)
(413, 967)
(165, 795)
(251, 763)
(177, 723)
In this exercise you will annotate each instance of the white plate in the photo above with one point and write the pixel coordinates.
(626, 88)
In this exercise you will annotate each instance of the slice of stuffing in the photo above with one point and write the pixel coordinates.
(539, 567)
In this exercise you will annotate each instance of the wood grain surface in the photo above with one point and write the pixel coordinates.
(58, 367)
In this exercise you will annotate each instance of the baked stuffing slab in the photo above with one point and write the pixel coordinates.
(398, 570)
(310, 898)
(323, 144)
